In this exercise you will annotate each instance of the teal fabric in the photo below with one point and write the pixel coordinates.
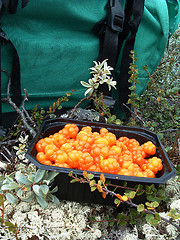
(56, 45)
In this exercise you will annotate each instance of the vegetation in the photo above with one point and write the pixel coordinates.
(157, 110)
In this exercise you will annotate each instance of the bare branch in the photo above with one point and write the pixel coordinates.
(21, 113)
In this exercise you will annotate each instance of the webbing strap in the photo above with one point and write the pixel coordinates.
(112, 39)
(108, 31)
(11, 7)
(134, 11)
(15, 72)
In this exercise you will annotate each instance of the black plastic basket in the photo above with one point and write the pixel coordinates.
(81, 192)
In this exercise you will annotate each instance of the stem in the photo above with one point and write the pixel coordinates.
(77, 105)
(129, 202)
(158, 91)
(21, 113)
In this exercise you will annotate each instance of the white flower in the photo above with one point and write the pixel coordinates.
(101, 72)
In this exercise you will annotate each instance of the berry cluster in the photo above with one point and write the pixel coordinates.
(100, 152)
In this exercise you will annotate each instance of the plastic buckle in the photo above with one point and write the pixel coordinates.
(115, 16)
(4, 36)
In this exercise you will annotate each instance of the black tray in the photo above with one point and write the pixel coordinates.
(81, 192)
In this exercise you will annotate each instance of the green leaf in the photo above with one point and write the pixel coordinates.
(177, 216)
(12, 227)
(92, 183)
(93, 189)
(149, 217)
(92, 219)
(36, 189)
(54, 199)
(13, 185)
(60, 107)
(21, 179)
(90, 176)
(132, 194)
(153, 220)
(140, 207)
(2, 199)
(29, 197)
(51, 175)
(74, 180)
(129, 193)
(117, 201)
(85, 84)
(70, 174)
(5, 187)
(41, 201)
(11, 198)
(44, 189)
(122, 223)
(19, 193)
(39, 175)
(111, 223)
(54, 189)
(157, 216)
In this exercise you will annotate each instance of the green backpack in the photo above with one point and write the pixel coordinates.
(48, 46)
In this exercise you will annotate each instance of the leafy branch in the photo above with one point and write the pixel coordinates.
(152, 216)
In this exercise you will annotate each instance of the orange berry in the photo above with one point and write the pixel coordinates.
(86, 129)
(155, 164)
(41, 144)
(109, 165)
(103, 131)
(111, 138)
(62, 158)
(63, 165)
(47, 162)
(94, 168)
(149, 173)
(85, 161)
(102, 140)
(124, 171)
(123, 139)
(73, 158)
(39, 147)
(149, 148)
(126, 164)
(41, 157)
(132, 143)
(48, 140)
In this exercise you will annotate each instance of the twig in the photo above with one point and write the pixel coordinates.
(8, 142)
(165, 106)
(137, 116)
(129, 202)
(26, 113)
(77, 105)
(21, 113)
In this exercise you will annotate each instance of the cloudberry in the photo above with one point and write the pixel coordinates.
(85, 161)
(101, 152)
(73, 158)
(109, 165)
(149, 148)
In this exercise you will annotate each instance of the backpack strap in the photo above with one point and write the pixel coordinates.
(11, 7)
(119, 26)
(15, 72)
(108, 31)
(134, 10)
